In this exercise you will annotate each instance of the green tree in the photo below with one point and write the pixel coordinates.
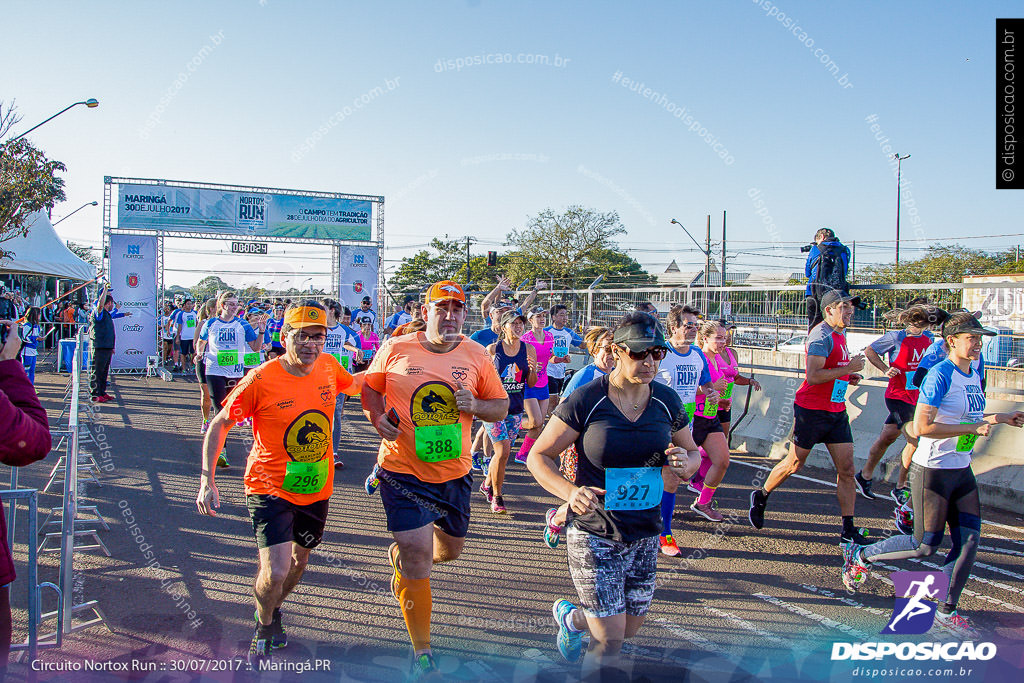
(208, 287)
(28, 183)
(571, 246)
(417, 272)
(942, 263)
(85, 253)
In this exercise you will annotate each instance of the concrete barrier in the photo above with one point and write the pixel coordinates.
(767, 427)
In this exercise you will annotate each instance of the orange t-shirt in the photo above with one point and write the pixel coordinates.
(292, 423)
(434, 436)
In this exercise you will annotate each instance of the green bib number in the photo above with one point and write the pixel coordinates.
(437, 443)
(691, 410)
(344, 361)
(337, 356)
(728, 390)
(275, 336)
(965, 442)
(251, 360)
(710, 408)
(190, 323)
(225, 358)
(305, 477)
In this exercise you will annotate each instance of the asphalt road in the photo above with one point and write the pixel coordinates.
(739, 605)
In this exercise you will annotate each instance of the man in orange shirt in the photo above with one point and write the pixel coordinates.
(421, 393)
(289, 476)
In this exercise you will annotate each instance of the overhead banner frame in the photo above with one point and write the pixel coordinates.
(214, 211)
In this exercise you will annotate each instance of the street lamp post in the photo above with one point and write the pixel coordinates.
(91, 103)
(899, 159)
(76, 211)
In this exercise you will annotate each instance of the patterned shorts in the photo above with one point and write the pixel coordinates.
(505, 430)
(612, 577)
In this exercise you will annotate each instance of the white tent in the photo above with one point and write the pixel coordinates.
(42, 252)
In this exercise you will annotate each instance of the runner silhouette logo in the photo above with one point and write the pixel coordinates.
(916, 596)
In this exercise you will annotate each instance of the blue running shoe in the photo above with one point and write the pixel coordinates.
(478, 461)
(485, 465)
(372, 482)
(570, 643)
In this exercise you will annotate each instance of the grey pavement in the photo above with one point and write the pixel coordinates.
(739, 605)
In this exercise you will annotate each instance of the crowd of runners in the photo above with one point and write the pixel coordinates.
(613, 442)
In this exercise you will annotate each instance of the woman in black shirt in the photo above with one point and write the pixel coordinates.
(629, 434)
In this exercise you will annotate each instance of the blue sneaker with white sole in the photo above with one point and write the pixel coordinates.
(570, 643)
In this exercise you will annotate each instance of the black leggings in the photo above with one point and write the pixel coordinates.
(220, 387)
(940, 497)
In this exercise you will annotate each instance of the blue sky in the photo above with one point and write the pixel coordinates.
(476, 150)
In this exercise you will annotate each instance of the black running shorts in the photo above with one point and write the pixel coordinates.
(900, 412)
(811, 427)
(276, 520)
(703, 426)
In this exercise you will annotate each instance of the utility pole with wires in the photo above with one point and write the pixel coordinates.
(469, 274)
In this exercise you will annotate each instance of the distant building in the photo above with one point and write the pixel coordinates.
(675, 277)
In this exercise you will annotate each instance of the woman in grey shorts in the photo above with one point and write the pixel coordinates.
(630, 436)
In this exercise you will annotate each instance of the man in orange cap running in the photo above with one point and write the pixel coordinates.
(289, 475)
(421, 393)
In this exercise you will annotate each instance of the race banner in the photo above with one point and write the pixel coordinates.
(252, 214)
(358, 268)
(133, 286)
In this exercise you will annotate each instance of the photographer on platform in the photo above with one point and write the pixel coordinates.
(828, 261)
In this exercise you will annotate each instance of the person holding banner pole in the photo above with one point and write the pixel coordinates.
(101, 333)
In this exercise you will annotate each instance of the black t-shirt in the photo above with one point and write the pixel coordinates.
(608, 440)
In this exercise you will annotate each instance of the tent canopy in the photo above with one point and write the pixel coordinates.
(42, 252)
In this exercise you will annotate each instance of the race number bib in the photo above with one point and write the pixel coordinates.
(344, 361)
(691, 410)
(710, 408)
(190, 323)
(305, 477)
(227, 358)
(337, 357)
(251, 360)
(561, 348)
(965, 442)
(632, 488)
(440, 442)
(839, 391)
(910, 382)
(367, 355)
(728, 390)
(275, 337)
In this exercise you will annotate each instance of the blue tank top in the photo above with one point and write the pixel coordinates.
(513, 371)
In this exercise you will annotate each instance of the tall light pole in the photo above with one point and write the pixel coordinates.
(899, 159)
(76, 211)
(90, 103)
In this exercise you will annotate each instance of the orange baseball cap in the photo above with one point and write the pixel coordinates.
(299, 317)
(445, 290)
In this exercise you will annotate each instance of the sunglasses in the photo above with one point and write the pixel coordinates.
(655, 352)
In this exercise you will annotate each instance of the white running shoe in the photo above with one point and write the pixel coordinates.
(957, 625)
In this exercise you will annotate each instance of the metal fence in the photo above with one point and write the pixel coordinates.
(767, 316)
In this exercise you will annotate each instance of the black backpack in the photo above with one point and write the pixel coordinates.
(831, 271)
